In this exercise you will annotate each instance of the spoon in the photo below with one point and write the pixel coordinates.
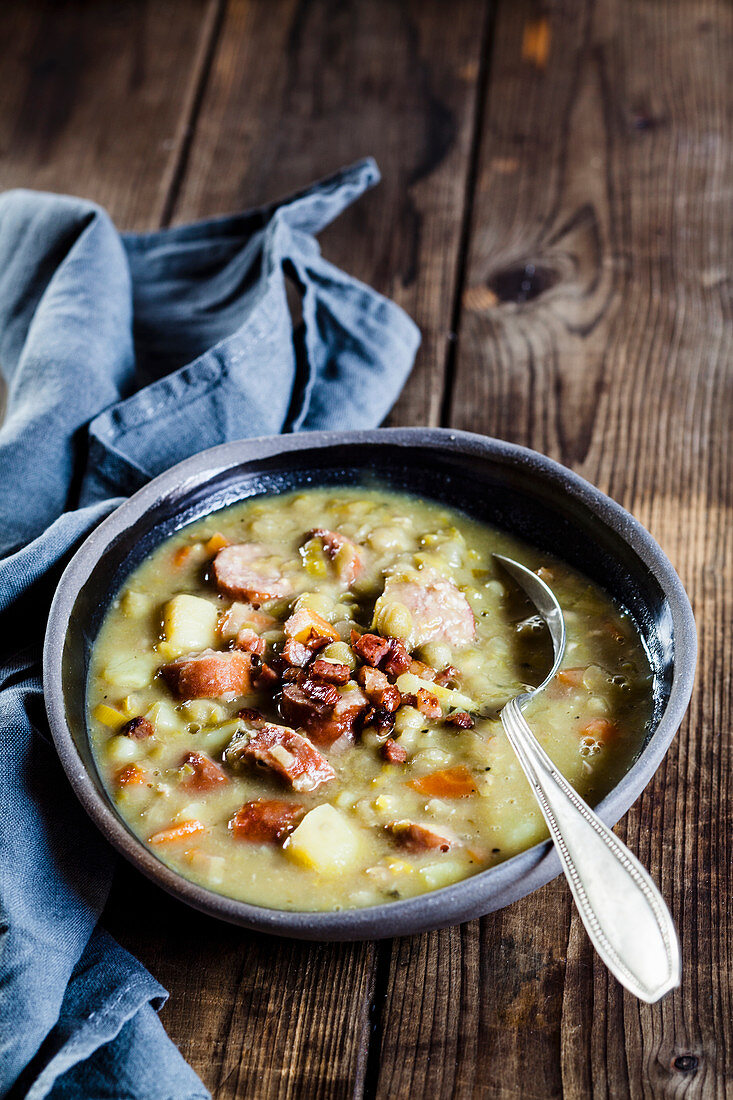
(623, 912)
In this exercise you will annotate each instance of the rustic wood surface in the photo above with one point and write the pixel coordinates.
(555, 215)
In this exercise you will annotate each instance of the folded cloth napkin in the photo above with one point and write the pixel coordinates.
(123, 355)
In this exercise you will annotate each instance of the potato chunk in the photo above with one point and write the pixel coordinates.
(189, 623)
(324, 841)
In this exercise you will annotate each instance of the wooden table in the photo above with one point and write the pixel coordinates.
(555, 216)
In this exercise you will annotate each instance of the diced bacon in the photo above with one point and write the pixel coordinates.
(439, 610)
(393, 752)
(243, 572)
(428, 704)
(287, 753)
(241, 615)
(266, 820)
(265, 678)
(419, 838)
(371, 648)
(448, 677)
(378, 689)
(332, 671)
(138, 729)
(249, 714)
(200, 773)
(345, 554)
(295, 653)
(422, 671)
(250, 641)
(210, 675)
(398, 660)
(325, 724)
(461, 719)
(320, 692)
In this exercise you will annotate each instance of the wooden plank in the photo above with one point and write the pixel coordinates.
(95, 98)
(593, 328)
(298, 90)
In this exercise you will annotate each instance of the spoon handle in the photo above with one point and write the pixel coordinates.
(621, 908)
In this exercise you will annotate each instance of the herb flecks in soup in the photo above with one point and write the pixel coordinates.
(294, 701)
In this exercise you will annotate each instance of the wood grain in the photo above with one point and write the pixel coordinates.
(93, 98)
(595, 326)
(299, 89)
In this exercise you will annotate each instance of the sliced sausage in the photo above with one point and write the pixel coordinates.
(210, 675)
(345, 554)
(419, 838)
(285, 752)
(439, 611)
(266, 820)
(323, 722)
(201, 773)
(243, 572)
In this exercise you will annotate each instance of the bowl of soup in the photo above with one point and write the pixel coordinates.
(274, 675)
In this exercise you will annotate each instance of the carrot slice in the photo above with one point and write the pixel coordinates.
(602, 729)
(216, 543)
(177, 832)
(571, 677)
(131, 776)
(181, 556)
(449, 783)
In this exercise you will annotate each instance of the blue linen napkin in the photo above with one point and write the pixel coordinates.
(123, 355)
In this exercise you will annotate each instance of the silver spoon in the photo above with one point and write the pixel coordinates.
(623, 912)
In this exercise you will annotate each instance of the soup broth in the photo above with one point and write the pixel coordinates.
(294, 701)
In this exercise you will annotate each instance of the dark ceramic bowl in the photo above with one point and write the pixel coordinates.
(511, 487)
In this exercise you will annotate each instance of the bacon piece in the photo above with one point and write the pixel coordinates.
(419, 838)
(243, 572)
(344, 553)
(265, 678)
(428, 704)
(210, 675)
(295, 653)
(439, 610)
(462, 719)
(448, 676)
(371, 648)
(320, 692)
(287, 753)
(249, 714)
(266, 820)
(398, 659)
(250, 641)
(421, 670)
(393, 752)
(378, 689)
(138, 729)
(201, 773)
(332, 671)
(325, 724)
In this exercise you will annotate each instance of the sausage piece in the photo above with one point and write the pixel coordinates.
(267, 819)
(393, 752)
(439, 610)
(285, 752)
(243, 572)
(210, 675)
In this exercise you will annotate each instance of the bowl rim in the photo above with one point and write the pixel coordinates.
(475, 896)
